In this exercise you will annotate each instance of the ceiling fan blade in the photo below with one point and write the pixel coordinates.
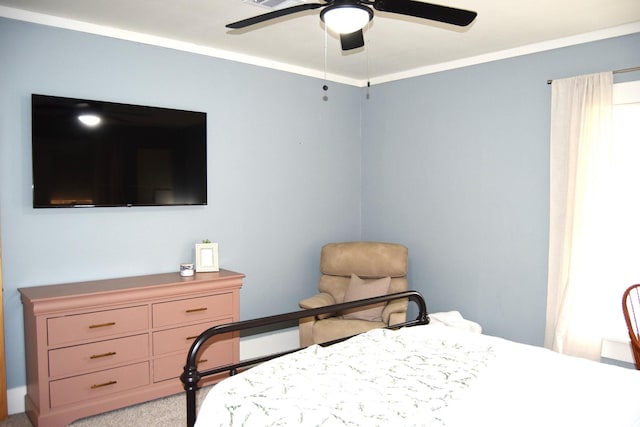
(430, 11)
(275, 14)
(352, 40)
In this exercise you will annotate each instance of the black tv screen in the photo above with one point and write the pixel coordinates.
(92, 153)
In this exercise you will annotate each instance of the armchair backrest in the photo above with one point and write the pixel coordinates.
(368, 260)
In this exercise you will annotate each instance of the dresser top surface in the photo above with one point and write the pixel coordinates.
(123, 283)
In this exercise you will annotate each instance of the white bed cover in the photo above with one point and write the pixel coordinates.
(429, 375)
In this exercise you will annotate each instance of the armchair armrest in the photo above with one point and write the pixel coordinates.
(395, 311)
(305, 326)
(318, 300)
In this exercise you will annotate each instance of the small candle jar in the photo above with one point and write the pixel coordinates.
(186, 269)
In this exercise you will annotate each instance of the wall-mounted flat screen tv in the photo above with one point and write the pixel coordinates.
(93, 153)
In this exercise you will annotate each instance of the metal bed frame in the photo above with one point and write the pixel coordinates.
(191, 376)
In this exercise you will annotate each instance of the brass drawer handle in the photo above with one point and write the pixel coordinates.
(102, 325)
(104, 384)
(98, 356)
(193, 310)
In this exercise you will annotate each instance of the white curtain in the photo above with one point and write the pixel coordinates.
(579, 242)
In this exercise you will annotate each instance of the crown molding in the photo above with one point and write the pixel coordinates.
(107, 31)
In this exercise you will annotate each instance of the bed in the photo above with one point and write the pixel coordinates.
(419, 374)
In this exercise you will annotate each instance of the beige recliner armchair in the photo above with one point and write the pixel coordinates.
(352, 271)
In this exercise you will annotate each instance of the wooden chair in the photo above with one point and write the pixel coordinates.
(631, 310)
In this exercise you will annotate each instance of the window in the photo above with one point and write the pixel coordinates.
(624, 226)
(594, 239)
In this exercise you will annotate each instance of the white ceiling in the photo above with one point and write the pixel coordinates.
(396, 46)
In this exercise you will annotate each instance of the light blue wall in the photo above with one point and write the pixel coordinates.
(284, 172)
(456, 166)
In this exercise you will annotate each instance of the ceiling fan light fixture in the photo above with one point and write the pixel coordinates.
(346, 18)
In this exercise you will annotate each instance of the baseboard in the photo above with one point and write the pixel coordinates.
(15, 399)
(253, 346)
(617, 349)
(260, 345)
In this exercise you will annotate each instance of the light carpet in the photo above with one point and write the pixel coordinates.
(165, 412)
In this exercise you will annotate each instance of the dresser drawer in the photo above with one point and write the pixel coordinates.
(218, 354)
(95, 356)
(98, 384)
(192, 309)
(96, 325)
(180, 339)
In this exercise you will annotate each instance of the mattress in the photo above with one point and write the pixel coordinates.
(429, 375)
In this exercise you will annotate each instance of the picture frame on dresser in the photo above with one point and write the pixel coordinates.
(206, 257)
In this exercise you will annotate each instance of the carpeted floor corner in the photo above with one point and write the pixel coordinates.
(164, 412)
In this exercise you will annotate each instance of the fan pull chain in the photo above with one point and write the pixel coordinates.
(367, 47)
(325, 88)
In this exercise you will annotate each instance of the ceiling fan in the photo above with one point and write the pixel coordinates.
(348, 17)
